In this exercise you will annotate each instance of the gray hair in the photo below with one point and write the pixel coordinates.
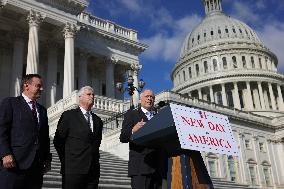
(80, 92)
(142, 93)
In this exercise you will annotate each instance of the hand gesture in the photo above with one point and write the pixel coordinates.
(138, 126)
(8, 161)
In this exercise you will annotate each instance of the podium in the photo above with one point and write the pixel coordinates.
(186, 168)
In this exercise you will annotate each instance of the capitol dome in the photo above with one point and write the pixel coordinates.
(223, 61)
(218, 27)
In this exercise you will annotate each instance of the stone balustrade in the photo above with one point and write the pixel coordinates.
(100, 103)
(108, 26)
(208, 106)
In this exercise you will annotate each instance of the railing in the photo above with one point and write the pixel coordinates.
(107, 26)
(100, 103)
(170, 96)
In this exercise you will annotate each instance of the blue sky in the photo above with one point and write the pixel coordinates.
(163, 25)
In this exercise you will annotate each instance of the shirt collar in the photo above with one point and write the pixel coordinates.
(144, 110)
(83, 110)
(27, 99)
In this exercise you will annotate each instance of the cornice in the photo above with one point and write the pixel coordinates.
(233, 114)
(235, 75)
(53, 15)
(140, 47)
(225, 47)
(71, 6)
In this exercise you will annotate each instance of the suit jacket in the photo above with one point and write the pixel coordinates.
(76, 145)
(20, 135)
(142, 160)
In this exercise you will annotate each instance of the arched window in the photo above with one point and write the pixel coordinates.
(232, 168)
(234, 59)
(260, 63)
(205, 64)
(189, 72)
(219, 98)
(197, 69)
(252, 172)
(225, 66)
(230, 99)
(266, 173)
(183, 72)
(215, 66)
(212, 164)
(212, 167)
(252, 62)
(244, 61)
(226, 30)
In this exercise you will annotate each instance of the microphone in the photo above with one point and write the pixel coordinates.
(160, 105)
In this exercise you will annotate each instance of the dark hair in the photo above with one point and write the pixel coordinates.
(28, 79)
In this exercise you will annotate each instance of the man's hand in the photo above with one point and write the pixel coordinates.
(138, 126)
(8, 161)
(47, 166)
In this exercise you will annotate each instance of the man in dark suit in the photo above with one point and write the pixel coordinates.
(24, 138)
(77, 141)
(143, 165)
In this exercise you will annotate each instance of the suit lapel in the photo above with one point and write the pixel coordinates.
(142, 115)
(95, 124)
(25, 107)
(82, 119)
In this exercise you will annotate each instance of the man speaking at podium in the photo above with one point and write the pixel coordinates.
(144, 163)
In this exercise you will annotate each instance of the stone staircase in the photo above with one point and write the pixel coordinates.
(113, 172)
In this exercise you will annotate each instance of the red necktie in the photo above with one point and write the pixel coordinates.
(34, 110)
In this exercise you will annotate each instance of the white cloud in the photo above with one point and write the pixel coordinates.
(166, 46)
(273, 37)
(132, 5)
(244, 12)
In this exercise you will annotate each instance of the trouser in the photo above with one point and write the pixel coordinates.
(30, 178)
(151, 181)
(81, 181)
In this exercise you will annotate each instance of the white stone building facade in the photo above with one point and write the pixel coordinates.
(223, 67)
(67, 46)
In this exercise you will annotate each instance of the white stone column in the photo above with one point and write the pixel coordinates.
(236, 97)
(224, 96)
(280, 98)
(17, 66)
(256, 98)
(249, 104)
(260, 91)
(272, 97)
(199, 94)
(135, 70)
(68, 81)
(83, 70)
(34, 18)
(51, 74)
(211, 93)
(110, 87)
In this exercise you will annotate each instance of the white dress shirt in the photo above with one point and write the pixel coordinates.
(86, 117)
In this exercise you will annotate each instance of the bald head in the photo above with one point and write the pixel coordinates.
(147, 99)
